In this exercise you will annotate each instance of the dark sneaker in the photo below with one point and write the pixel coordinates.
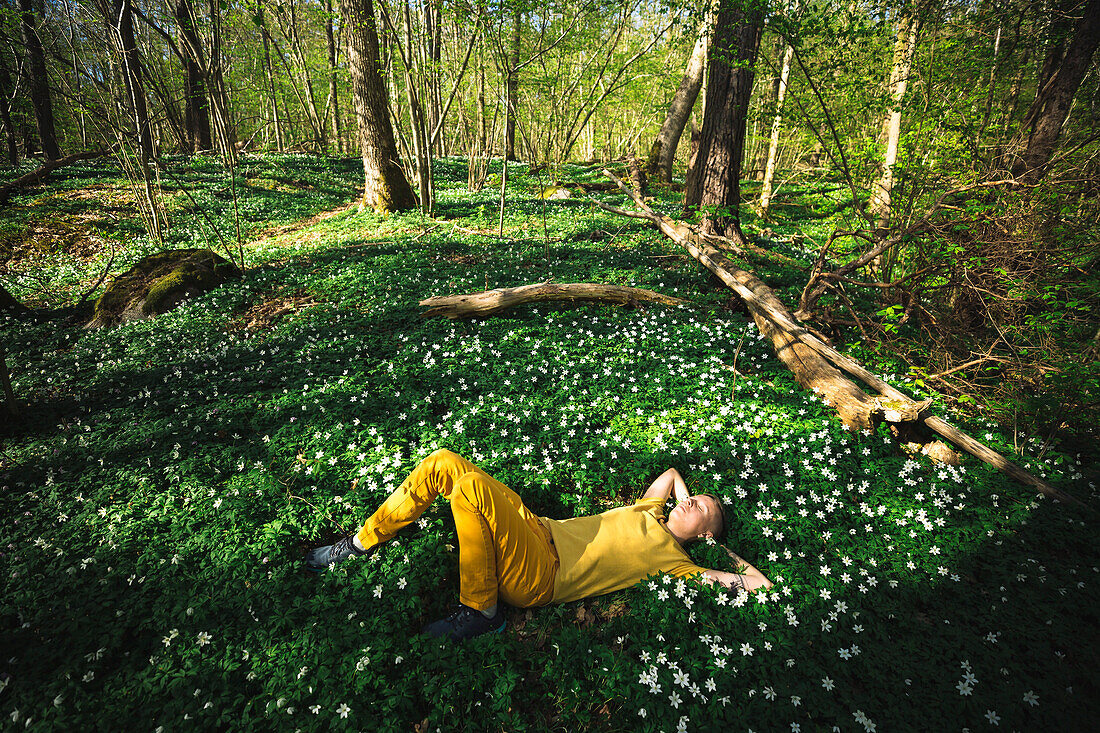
(323, 557)
(465, 623)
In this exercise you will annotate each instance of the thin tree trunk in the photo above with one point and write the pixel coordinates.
(123, 26)
(227, 136)
(172, 119)
(716, 188)
(333, 98)
(319, 126)
(777, 126)
(5, 382)
(122, 30)
(420, 135)
(992, 87)
(511, 91)
(270, 72)
(7, 93)
(385, 187)
(37, 81)
(196, 107)
(770, 94)
(1041, 127)
(905, 45)
(662, 154)
(1013, 102)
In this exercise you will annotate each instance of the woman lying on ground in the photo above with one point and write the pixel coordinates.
(507, 553)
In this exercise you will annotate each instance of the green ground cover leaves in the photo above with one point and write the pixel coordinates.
(173, 471)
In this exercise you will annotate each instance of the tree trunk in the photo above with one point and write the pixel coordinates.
(215, 81)
(172, 117)
(318, 125)
(6, 93)
(716, 188)
(770, 94)
(386, 189)
(663, 152)
(5, 382)
(1041, 127)
(269, 71)
(992, 85)
(511, 92)
(491, 302)
(123, 29)
(905, 45)
(777, 126)
(333, 98)
(196, 108)
(78, 73)
(412, 53)
(37, 81)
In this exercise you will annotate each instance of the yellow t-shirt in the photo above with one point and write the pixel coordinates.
(614, 550)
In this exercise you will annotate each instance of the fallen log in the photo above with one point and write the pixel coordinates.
(491, 302)
(43, 171)
(812, 361)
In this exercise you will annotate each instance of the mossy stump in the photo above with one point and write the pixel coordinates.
(160, 282)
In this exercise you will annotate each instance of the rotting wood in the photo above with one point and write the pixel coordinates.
(491, 302)
(42, 172)
(812, 361)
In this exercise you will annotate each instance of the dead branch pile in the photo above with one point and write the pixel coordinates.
(816, 365)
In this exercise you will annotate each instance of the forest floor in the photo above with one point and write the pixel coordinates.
(168, 475)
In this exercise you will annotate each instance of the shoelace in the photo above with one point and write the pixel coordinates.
(342, 546)
(459, 612)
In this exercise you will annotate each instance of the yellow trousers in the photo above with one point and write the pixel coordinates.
(503, 548)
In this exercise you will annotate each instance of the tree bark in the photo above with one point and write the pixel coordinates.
(6, 93)
(319, 125)
(196, 107)
(5, 383)
(663, 152)
(777, 126)
(491, 302)
(905, 45)
(261, 21)
(215, 82)
(511, 92)
(333, 98)
(37, 81)
(716, 187)
(770, 92)
(122, 22)
(1041, 127)
(418, 112)
(385, 187)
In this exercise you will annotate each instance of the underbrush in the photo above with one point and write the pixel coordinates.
(172, 472)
